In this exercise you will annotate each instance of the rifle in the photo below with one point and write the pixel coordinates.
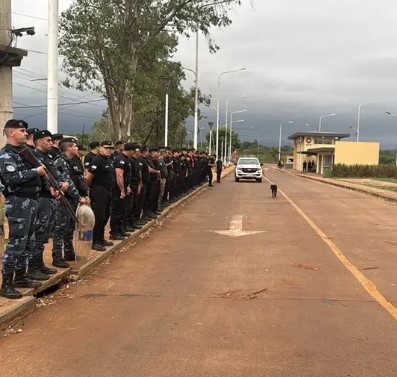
(28, 156)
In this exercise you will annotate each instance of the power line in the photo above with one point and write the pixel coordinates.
(61, 104)
(26, 15)
(60, 95)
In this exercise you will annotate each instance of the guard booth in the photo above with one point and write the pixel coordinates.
(316, 148)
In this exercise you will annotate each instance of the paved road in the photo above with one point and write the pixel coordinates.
(191, 302)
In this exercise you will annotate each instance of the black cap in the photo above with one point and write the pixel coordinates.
(144, 148)
(32, 131)
(107, 144)
(153, 150)
(94, 144)
(14, 123)
(81, 147)
(41, 134)
(66, 140)
(57, 137)
(119, 142)
(24, 123)
(131, 147)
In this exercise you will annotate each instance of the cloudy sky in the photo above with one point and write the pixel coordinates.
(304, 59)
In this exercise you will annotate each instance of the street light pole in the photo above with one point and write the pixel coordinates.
(217, 105)
(226, 122)
(195, 73)
(279, 139)
(210, 125)
(52, 83)
(321, 117)
(201, 138)
(359, 116)
(167, 82)
(231, 129)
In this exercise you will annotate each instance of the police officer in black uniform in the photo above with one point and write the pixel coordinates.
(144, 168)
(122, 194)
(94, 150)
(210, 163)
(22, 183)
(218, 169)
(100, 178)
(132, 214)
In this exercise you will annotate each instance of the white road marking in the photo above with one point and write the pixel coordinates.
(236, 228)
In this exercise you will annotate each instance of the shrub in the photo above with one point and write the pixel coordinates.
(364, 171)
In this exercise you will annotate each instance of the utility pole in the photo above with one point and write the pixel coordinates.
(5, 70)
(52, 90)
(9, 57)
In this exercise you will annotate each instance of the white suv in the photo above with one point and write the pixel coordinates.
(248, 168)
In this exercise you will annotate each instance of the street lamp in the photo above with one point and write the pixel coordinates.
(167, 83)
(201, 138)
(359, 115)
(353, 128)
(217, 105)
(279, 140)
(210, 125)
(321, 117)
(195, 130)
(231, 128)
(188, 141)
(226, 122)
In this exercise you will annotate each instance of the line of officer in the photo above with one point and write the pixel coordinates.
(22, 183)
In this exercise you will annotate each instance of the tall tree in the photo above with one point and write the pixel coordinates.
(103, 42)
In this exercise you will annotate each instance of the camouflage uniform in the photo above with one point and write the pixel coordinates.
(22, 185)
(64, 224)
(45, 217)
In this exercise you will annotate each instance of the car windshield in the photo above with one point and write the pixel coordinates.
(249, 161)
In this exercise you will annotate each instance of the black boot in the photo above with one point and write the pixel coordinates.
(23, 281)
(47, 270)
(59, 262)
(7, 290)
(34, 273)
(43, 268)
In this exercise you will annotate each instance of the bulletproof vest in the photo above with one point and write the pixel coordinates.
(31, 187)
(76, 173)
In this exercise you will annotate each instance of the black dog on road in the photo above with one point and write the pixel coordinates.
(274, 190)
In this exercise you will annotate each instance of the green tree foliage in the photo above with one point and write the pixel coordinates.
(236, 143)
(120, 48)
(387, 157)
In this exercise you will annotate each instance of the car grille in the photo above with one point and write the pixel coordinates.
(249, 170)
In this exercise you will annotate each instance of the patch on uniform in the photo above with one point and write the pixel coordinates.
(75, 168)
(93, 167)
(10, 168)
(122, 162)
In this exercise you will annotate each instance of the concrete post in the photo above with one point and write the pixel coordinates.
(52, 92)
(5, 70)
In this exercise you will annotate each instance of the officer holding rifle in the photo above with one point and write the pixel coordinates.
(22, 184)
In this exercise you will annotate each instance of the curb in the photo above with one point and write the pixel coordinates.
(22, 307)
(351, 186)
